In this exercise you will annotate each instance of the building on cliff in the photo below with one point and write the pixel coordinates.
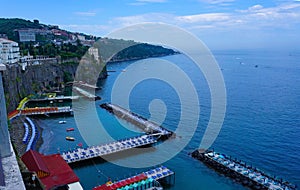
(9, 51)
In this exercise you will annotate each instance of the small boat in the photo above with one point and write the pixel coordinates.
(70, 129)
(62, 122)
(70, 138)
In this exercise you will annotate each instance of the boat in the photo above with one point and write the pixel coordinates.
(69, 129)
(62, 122)
(70, 138)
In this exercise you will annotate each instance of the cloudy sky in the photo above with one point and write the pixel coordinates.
(221, 24)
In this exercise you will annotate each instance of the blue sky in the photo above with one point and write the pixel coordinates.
(221, 24)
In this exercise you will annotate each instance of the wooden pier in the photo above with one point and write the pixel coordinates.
(81, 154)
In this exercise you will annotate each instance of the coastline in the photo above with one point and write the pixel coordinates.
(17, 132)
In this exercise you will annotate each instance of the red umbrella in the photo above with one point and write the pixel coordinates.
(114, 186)
(123, 183)
(119, 184)
(128, 181)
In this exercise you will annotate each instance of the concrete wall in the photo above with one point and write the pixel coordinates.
(5, 148)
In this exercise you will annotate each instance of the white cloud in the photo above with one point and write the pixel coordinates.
(87, 14)
(216, 1)
(255, 8)
(208, 17)
(144, 2)
(150, 17)
(151, 1)
(256, 18)
(88, 29)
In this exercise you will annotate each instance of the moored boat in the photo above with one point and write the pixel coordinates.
(70, 138)
(62, 122)
(70, 129)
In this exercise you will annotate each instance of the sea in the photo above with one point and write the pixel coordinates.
(261, 125)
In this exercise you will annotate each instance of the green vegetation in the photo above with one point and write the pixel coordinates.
(109, 49)
(139, 51)
(65, 51)
(7, 26)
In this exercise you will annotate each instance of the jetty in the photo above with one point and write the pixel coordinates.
(45, 110)
(240, 171)
(80, 154)
(147, 126)
(154, 178)
(85, 94)
(82, 84)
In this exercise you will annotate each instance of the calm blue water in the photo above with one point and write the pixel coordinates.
(261, 126)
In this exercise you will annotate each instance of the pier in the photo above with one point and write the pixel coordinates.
(45, 110)
(86, 94)
(81, 154)
(150, 179)
(83, 84)
(148, 126)
(241, 172)
(54, 98)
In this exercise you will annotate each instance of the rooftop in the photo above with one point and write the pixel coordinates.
(56, 171)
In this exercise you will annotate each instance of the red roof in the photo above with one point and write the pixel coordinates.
(103, 187)
(60, 171)
(34, 161)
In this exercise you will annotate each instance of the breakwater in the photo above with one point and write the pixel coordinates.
(149, 127)
(241, 172)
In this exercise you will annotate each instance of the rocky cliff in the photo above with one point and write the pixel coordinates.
(36, 78)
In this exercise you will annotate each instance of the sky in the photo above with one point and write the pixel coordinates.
(220, 24)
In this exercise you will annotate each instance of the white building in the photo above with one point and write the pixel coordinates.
(9, 51)
(94, 51)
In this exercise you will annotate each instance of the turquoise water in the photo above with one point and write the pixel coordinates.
(261, 126)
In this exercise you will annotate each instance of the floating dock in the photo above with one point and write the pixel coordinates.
(81, 154)
(153, 178)
(148, 126)
(86, 94)
(246, 175)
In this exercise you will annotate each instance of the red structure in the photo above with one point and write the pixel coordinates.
(122, 183)
(52, 170)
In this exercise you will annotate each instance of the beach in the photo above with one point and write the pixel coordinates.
(17, 132)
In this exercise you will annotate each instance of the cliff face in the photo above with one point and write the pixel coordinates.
(19, 84)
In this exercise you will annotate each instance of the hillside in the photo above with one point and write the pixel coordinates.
(50, 40)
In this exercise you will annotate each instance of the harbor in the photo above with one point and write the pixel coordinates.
(239, 171)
